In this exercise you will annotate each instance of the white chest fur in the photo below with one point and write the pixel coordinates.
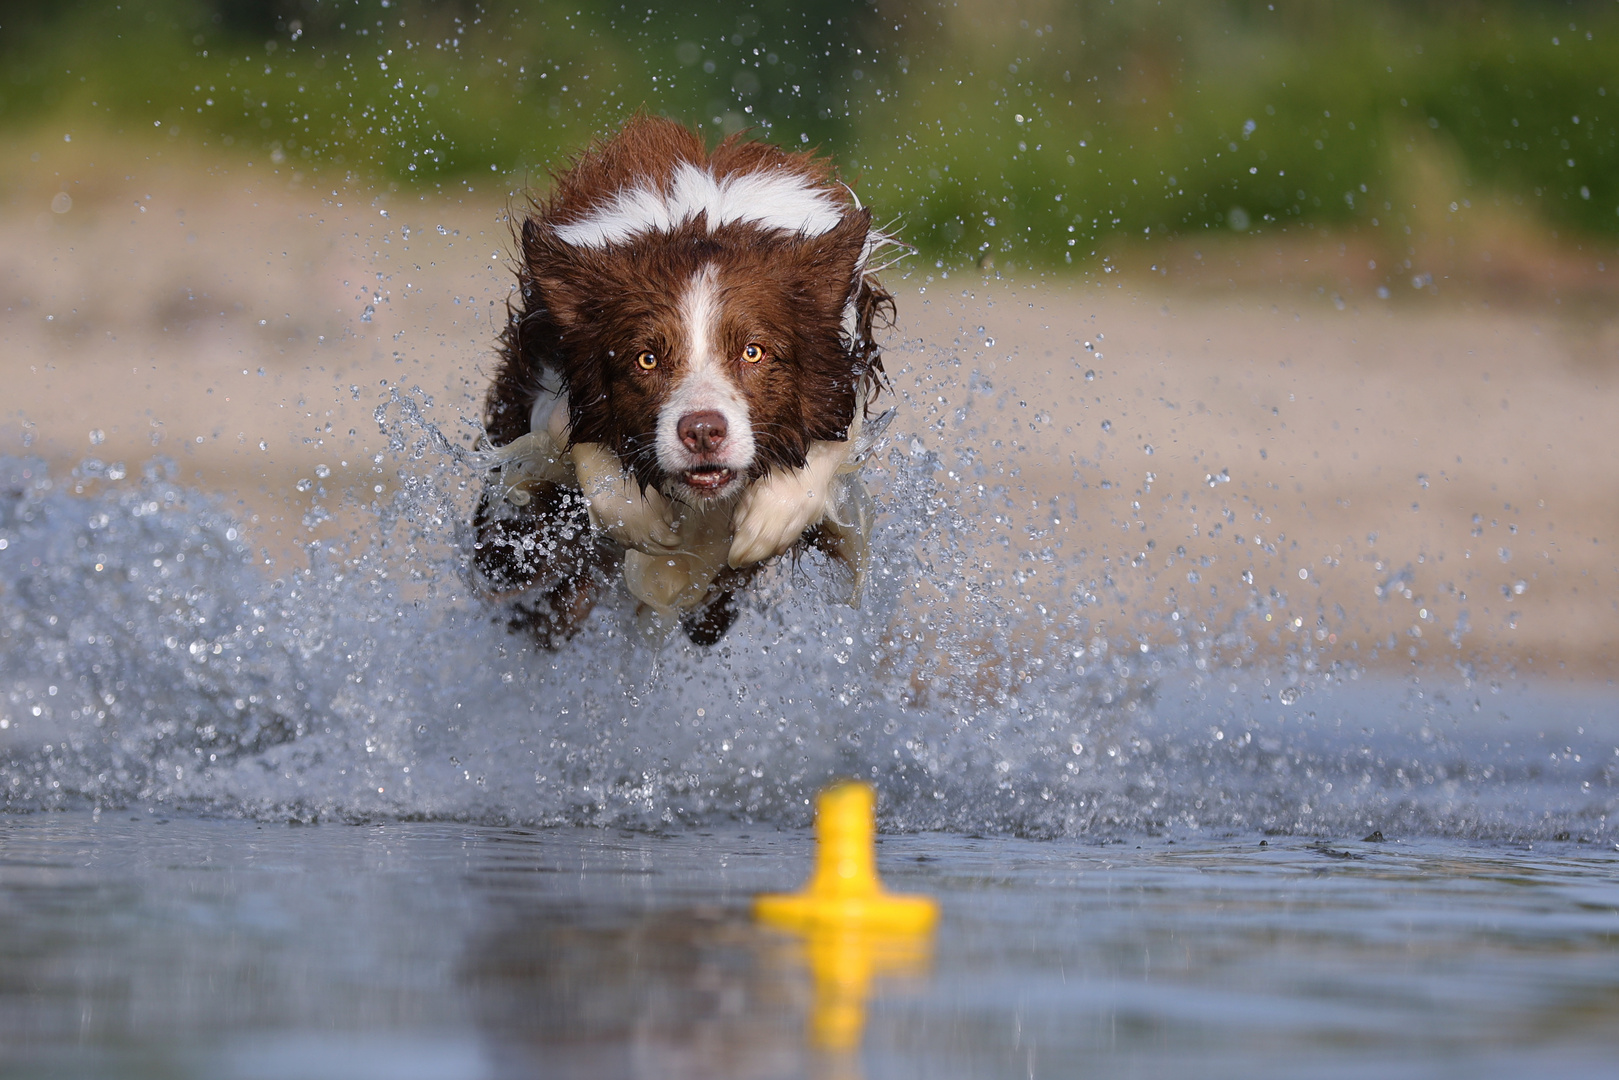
(674, 552)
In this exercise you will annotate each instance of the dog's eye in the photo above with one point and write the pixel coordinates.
(753, 353)
(647, 360)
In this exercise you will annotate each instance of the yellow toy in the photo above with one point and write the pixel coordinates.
(845, 890)
(852, 929)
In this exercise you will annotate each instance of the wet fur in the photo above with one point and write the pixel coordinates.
(584, 312)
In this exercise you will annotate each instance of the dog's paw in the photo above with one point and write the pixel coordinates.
(637, 518)
(776, 509)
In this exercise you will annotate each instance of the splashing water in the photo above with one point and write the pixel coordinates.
(148, 660)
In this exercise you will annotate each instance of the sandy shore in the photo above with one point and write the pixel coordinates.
(1384, 467)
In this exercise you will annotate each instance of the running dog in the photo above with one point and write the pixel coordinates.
(684, 385)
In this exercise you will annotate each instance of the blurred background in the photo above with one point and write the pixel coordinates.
(1303, 310)
(1039, 134)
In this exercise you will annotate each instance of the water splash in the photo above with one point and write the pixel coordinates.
(150, 659)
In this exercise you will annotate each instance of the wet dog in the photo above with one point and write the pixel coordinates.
(684, 384)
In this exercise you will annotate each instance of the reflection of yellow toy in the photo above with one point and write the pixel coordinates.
(853, 929)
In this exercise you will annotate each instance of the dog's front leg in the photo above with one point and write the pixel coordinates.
(614, 501)
(637, 518)
(776, 509)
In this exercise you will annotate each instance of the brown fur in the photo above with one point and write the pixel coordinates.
(585, 314)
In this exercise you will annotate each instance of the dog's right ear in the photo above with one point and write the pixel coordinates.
(556, 277)
(568, 289)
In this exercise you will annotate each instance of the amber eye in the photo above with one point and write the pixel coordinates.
(647, 360)
(753, 353)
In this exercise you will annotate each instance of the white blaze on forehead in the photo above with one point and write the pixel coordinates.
(779, 199)
(706, 383)
(700, 313)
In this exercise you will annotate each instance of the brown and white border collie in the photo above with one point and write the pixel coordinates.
(684, 381)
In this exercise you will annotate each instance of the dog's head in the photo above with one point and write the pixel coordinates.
(708, 312)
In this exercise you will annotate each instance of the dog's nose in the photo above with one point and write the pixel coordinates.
(702, 432)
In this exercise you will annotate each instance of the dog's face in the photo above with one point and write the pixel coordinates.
(704, 357)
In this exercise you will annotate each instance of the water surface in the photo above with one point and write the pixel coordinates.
(331, 820)
(137, 945)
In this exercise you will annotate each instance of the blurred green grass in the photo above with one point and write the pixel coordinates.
(1040, 132)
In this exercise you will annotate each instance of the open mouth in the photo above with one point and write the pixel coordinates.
(708, 478)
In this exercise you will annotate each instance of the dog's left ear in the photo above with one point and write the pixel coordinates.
(830, 268)
(834, 260)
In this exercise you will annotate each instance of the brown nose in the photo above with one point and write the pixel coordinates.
(702, 432)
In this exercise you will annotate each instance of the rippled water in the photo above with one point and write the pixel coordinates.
(138, 945)
(151, 660)
(1149, 851)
